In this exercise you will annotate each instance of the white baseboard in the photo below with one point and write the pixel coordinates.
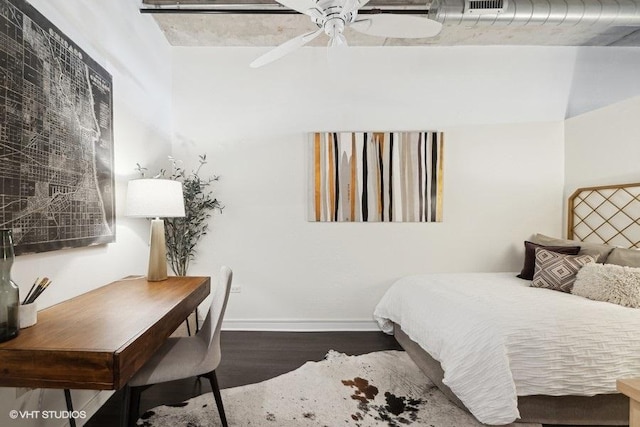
(297, 325)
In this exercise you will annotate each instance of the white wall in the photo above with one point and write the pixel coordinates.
(132, 48)
(603, 146)
(603, 76)
(119, 38)
(502, 181)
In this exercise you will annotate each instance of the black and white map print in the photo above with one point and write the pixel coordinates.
(56, 137)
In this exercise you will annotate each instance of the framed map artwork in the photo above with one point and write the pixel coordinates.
(56, 137)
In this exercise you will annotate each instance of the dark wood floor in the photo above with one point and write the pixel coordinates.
(250, 357)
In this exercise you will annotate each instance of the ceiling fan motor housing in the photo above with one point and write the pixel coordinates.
(333, 19)
(333, 26)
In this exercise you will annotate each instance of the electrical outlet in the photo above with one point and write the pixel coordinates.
(236, 289)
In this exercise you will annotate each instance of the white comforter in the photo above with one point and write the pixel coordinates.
(497, 338)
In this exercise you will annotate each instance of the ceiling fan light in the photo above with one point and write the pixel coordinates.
(339, 40)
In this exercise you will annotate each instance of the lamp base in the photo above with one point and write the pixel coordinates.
(157, 252)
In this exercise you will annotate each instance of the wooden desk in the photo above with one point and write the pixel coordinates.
(98, 340)
(631, 387)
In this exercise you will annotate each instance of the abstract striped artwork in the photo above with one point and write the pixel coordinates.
(376, 177)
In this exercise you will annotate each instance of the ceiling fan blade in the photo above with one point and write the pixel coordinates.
(351, 5)
(397, 26)
(314, 13)
(301, 6)
(285, 48)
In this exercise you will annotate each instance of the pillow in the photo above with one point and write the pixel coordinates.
(530, 256)
(586, 248)
(628, 257)
(557, 271)
(610, 283)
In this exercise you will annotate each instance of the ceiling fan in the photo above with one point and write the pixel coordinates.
(333, 16)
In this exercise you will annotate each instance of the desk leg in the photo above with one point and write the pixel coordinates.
(189, 324)
(634, 413)
(124, 409)
(67, 398)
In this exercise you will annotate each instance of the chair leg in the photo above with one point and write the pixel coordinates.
(211, 376)
(67, 398)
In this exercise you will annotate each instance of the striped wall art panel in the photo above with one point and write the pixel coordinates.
(376, 176)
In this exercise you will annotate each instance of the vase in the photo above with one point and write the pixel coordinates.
(9, 292)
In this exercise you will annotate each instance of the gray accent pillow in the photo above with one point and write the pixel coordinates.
(627, 257)
(557, 271)
(609, 283)
(586, 248)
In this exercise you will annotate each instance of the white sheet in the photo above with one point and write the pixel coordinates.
(497, 338)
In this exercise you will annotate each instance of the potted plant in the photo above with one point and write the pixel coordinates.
(183, 234)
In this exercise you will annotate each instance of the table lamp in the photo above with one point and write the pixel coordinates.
(155, 198)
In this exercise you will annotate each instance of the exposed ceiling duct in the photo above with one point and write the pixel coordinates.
(539, 12)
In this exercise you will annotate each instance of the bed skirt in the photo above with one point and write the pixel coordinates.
(602, 409)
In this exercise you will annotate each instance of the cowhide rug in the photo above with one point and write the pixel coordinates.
(377, 389)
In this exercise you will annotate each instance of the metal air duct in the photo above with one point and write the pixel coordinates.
(541, 12)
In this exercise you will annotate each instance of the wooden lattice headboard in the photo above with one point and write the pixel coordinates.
(608, 214)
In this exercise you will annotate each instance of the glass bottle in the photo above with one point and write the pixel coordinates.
(9, 293)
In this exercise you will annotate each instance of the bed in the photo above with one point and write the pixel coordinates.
(507, 351)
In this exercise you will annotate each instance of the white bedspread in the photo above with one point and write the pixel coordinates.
(497, 338)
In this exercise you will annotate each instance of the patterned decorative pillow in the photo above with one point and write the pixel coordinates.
(610, 283)
(557, 271)
(530, 257)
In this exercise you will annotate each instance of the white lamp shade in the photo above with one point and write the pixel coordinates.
(154, 198)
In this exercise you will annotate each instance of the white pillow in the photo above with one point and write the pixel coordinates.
(610, 283)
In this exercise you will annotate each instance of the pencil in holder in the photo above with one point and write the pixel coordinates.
(28, 314)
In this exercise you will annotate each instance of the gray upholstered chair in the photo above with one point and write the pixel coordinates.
(186, 357)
